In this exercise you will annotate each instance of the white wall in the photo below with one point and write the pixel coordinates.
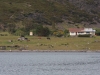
(72, 34)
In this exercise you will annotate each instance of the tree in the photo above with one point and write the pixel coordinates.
(46, 31)
(42, 31)
(11, 28)
(97, 32)
(66, 32)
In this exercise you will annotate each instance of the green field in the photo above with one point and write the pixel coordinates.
(55, 43)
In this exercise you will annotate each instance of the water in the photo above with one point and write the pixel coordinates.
(49, 63)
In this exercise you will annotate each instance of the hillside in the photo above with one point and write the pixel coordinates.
(29, 13)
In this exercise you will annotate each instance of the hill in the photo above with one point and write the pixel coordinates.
(29, 13)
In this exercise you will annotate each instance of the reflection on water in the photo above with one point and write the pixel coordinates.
(49, 63)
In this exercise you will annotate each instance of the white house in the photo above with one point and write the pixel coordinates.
(81, 31)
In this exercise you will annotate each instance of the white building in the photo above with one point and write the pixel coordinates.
(31, 33)
(81, 31)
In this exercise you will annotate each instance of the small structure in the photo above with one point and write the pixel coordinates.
(31, 33)
(81, 31)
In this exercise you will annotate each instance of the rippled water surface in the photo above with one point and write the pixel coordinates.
(49, 63)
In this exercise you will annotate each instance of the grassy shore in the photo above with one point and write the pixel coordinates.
(54, 43)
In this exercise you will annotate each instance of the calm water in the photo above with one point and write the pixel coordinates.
(49, 63)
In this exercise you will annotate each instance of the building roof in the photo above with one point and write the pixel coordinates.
(89, 30)
(76, 29)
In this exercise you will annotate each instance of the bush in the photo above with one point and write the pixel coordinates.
(58, 33)
(90, 2)
(42, 31)
(66, 32)
(97, 32)
(85, 35)
(19, 32)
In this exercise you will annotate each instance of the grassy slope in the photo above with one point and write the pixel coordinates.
(10, 10)
(68, 43)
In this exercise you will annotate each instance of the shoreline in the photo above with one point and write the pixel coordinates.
(50, 51)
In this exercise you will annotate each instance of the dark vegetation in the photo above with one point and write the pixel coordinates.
(86, 35)
(22, 16)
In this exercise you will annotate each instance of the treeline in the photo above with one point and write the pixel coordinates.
(38, 30)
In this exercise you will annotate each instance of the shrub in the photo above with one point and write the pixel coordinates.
(19, 32)
(85, 35)
(42, 31)
(97, 32)
(66, 32)
(59, 33)
(90, 2)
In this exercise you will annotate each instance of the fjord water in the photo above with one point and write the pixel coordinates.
(49, 63)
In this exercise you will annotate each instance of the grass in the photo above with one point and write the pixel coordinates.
(55, 43)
